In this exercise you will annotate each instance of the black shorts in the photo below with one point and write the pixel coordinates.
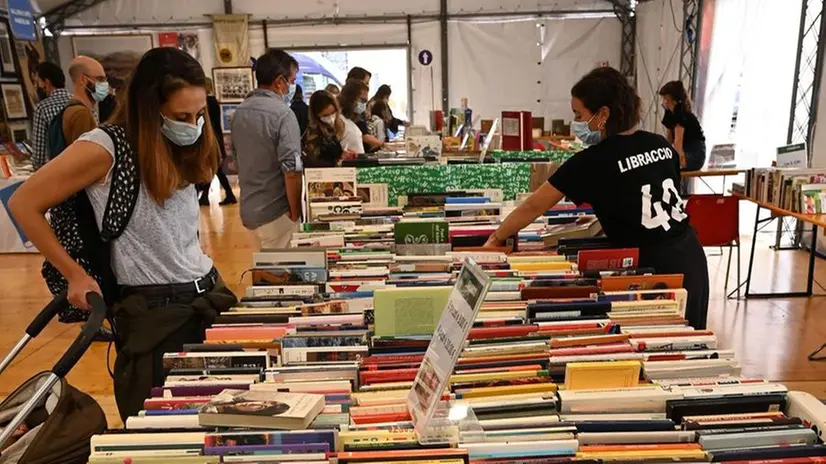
(683, 256)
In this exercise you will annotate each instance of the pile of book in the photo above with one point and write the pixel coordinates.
(796, 190)
(587, 359)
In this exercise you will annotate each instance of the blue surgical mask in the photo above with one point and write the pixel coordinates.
(361, 107)
(182, 133)
(101, 91)
(288, 97)
(584, 133)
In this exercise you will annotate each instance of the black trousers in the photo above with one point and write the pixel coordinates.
(222, 179)
(683, 256)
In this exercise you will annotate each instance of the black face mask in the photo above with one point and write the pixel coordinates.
(41, 93)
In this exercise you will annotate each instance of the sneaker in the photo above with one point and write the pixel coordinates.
(104, 334)
(228, 201)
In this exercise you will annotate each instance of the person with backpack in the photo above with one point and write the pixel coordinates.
(128, 217)
(74, 119)
(91, 87)
(51, 90)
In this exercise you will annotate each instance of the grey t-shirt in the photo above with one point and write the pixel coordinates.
(160, 243)
(267, 143)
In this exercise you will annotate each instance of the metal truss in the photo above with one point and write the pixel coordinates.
(56, 17)
(625, 12)
(56, 20)
(692, 14)
(808, 72)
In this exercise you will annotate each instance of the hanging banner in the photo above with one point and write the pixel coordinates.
(21, 19)
(231, 33)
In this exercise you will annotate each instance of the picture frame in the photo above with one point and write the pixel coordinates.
(232, 85)
(19, 131)
(14, 101)
(227, 111)
(8, 66)
(100, 45)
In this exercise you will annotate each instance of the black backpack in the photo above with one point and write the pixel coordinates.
(76, 227)
(55, 138)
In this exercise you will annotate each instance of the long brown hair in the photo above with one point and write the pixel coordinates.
(164, 167)
(349, 96)
(318, 130)
(676, 90)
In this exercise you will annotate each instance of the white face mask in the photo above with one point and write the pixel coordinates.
(329, 119)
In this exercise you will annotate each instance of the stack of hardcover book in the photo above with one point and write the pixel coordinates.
(561, 365)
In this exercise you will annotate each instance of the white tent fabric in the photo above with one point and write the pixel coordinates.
(751, 70)
(658, 55)
(514, 65)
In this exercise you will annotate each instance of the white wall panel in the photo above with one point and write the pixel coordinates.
(658, 55)
(427, 80)
(514, 66)
(571, 49)
(495, 65)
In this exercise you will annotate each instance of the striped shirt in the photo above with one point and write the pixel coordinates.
(45, 111)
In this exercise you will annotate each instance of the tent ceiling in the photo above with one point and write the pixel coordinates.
(114, 12)
(48, 5)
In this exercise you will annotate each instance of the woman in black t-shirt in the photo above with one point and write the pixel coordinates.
(630, 178)
(684, 130)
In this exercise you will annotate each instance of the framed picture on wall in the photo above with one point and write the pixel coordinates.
(232, 85)
(7, 67)
(14, 102)
(227, 111)
(100, 45)
(19, 131)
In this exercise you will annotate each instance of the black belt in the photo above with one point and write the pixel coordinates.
(174, 292)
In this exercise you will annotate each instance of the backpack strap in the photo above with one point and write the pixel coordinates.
(125, 185)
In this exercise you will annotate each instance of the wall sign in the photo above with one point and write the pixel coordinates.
(21, 19)
(425, 57)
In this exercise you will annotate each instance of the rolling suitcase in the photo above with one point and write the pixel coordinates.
(51, 421)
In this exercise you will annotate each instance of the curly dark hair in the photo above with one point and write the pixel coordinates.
(676, 90)
(605, 86)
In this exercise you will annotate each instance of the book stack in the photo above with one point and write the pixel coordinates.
(561, 365)
(797, 190)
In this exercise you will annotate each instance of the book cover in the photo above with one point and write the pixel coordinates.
(420, 232)
(261, 409)
(618, 374)
(408, 311)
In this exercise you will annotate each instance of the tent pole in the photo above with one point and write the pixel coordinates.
(445, 73)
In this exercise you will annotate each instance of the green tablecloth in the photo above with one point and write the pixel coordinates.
(512, 178)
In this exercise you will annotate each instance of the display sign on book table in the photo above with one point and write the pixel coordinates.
(792, 156)
(438, 421)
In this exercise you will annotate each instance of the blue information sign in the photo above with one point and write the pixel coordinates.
(425, 57)
(21, 19)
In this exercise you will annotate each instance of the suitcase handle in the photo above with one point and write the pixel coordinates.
(87, 335)
(60, 302)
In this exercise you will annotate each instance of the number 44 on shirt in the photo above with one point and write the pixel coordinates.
(654, 213)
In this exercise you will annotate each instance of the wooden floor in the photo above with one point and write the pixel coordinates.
(771, 337)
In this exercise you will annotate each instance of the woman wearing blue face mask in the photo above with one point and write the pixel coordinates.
(158, 146)
(630, 177)
(353, 103)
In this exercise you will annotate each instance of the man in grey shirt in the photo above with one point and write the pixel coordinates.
(267, 143)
